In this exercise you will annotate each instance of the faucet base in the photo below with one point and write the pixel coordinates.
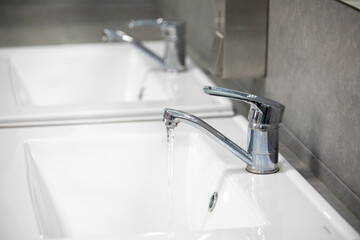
(251, 170)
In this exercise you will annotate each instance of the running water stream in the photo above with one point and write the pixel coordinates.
(170, 145)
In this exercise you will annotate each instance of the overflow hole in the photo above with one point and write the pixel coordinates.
(212, 201)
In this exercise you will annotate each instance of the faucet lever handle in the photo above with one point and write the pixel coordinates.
(263, 110)
(173, 31)
(145, 22)
(149, 22)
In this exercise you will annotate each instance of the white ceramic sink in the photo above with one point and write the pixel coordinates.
(113, 184)
(96, 83)
(84, 76)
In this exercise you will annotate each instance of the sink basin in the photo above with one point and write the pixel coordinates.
(96, 83)
(116, 185)
(90, 193)
(79, 76)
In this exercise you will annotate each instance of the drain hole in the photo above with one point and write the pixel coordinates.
(212, 201)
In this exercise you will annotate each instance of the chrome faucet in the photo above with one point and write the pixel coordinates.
(264, 118)
(174, 36)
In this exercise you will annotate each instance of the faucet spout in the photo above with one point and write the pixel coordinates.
(173, 33)
(262, 155)
(110, 36)
(173, 117)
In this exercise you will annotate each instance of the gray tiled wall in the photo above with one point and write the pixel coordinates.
(314, 69)
(38, 22)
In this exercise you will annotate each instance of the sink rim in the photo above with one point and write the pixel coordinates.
(12, 115)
